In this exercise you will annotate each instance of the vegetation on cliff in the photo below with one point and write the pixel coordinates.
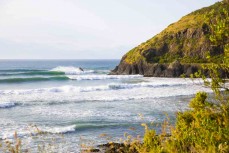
(188, 40)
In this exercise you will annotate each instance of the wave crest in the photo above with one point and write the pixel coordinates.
(70, 70)
(103, 77)
(7, 105)
(59, 130)
(111, 86)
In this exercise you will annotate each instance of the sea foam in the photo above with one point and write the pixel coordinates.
(28, 130)
(122, 91)
(111, 86)
(7, 104)
(102, 77)
(59, 130)
(71, 70)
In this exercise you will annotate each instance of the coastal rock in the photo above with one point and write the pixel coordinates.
(116, 148)
(81, 69)
(175, 69)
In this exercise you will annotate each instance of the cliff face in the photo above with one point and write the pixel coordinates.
(186, 41)
(175, 69)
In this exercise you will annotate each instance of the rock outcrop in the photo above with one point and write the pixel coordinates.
(175, 69)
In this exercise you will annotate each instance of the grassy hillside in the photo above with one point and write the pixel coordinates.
(186, 40)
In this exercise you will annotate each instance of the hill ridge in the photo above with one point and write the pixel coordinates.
(186, 41)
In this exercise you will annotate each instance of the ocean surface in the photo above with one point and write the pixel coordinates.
(78, 107)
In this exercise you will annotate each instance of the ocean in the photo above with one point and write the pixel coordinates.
(76, 102)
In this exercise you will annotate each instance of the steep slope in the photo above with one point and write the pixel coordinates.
(171, 52)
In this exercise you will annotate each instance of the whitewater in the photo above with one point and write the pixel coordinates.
(80, 101)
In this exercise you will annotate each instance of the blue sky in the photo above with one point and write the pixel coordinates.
(84, 29)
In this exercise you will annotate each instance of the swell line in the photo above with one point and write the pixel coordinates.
(33, 73)
(20, 70)
(34, 79)
(79, 127)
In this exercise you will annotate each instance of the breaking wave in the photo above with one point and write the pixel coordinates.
(59, 130)
(7, 105)
(69, 77)
(111, 86)
(103, 77)
(71, 70)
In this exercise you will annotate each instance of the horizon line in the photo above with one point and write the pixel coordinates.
(60, 59)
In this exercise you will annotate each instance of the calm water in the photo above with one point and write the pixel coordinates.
(61, 98)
